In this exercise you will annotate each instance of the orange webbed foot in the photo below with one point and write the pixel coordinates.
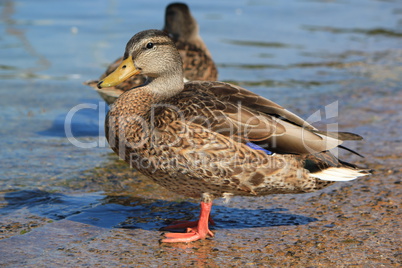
(196, 230)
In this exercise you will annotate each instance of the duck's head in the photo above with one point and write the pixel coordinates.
(153, 54)
(179, 22)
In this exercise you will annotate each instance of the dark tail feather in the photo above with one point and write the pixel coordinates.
(350, 150)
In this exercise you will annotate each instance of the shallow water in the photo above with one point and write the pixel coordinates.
(303, 55)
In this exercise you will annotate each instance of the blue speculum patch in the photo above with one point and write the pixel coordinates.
(256, 147)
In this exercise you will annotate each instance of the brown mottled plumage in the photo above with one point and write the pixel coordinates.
(197, 60)
(198, 138)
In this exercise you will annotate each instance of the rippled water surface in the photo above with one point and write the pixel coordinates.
(301, 54)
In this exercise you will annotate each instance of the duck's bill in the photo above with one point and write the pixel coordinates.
(125, 70)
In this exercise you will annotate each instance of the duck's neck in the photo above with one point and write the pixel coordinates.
(163, 87)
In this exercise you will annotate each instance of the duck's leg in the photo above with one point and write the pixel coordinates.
(196, 230)
(185, 224)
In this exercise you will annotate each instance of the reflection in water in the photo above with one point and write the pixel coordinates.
(261, 44)
(133, 212)
(330, 64)
(335, 30)
(20, 72)
(251, 66)
(286, 84)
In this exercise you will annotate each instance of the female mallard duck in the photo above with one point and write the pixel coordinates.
(197, 60)
(211, 139)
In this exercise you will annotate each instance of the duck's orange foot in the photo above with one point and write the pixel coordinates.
(195, 229)
(192, 235)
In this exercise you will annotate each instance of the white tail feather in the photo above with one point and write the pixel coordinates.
(338, 174)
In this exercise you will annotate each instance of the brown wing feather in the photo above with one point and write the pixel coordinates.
(253, 101)
(243, 116)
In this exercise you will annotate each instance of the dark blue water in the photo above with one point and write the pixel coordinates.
(301, 54)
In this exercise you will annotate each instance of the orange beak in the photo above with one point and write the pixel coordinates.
(125, 70)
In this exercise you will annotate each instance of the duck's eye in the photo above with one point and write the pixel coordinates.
(150, 45)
